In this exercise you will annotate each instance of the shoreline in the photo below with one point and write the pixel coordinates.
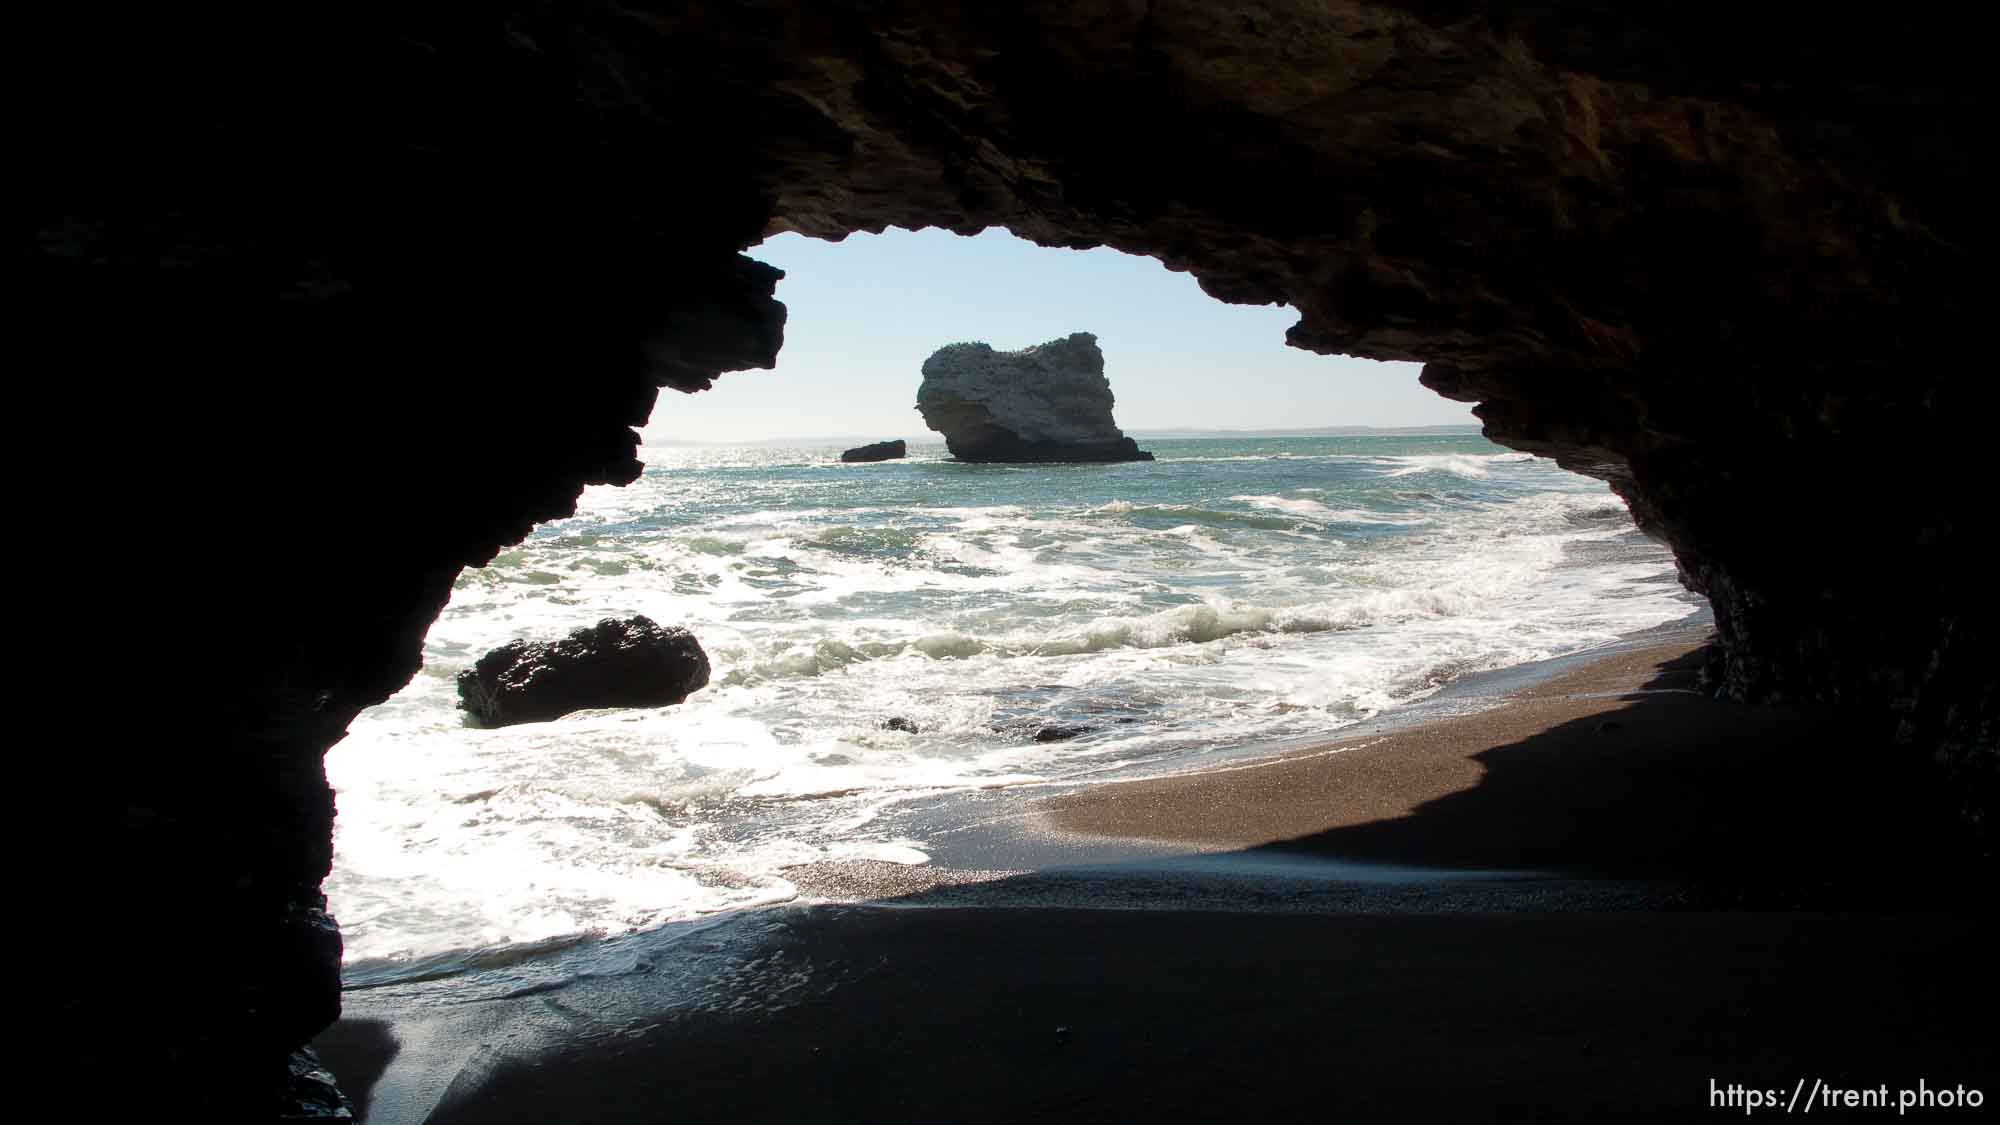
(995, 1014)
(1606, 887)
(986, 835)
(1622, 700)
(1613, 768)
(974, 835)
(1603, 779)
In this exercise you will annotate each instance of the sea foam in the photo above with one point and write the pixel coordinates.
(1232, 592)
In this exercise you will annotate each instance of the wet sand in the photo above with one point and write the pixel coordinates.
(1806, 918)
(1618, 768)
(966, 1015)
(1375, 778)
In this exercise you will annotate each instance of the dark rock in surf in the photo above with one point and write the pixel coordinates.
(618, 662)
(1050, 402)
(880, 451)
(1058, 732)
(898, 722)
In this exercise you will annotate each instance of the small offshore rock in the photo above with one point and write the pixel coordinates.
(880, 451)
(1057, 732)
(1050, 402)
(898, 722)
(618, 662)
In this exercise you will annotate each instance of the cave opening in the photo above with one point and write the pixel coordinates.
(1322, 540)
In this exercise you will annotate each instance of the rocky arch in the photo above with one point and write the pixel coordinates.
(352, 301)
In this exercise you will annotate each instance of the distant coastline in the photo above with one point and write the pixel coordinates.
(926, 437)
(1193, 434)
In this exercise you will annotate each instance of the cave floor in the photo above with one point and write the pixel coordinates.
(1612, 898)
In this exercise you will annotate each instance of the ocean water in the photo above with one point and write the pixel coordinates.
(1236, 592)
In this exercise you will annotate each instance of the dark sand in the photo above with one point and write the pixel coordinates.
(955, 1016)
(1868, 958)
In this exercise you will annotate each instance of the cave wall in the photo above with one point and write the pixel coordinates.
(328, 306)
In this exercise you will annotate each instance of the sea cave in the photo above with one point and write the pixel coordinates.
(427, 273)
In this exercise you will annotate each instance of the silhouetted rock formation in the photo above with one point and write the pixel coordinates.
(1731, 265)
(880, 451)
(1050, 402)
(313, 1092)
(614, 663)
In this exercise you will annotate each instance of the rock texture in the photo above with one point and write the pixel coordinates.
(879, 451)
(1050, 402)
(618, 662)
(326, 310)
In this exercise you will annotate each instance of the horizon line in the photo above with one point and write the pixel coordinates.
(932, 437)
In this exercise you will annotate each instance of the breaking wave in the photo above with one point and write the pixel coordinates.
(908, 630)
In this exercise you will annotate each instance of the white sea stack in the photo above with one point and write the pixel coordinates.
(1050, 402)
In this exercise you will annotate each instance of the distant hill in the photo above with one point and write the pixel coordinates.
(1182, 434)
(811, 441)
(1311, 431)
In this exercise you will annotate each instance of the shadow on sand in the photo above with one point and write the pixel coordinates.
(1762, 806)
(1866, 961)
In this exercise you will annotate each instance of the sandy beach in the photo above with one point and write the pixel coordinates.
(1620, 767)
(1494, 969)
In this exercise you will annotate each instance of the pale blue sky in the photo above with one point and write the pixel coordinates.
(867, 311)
